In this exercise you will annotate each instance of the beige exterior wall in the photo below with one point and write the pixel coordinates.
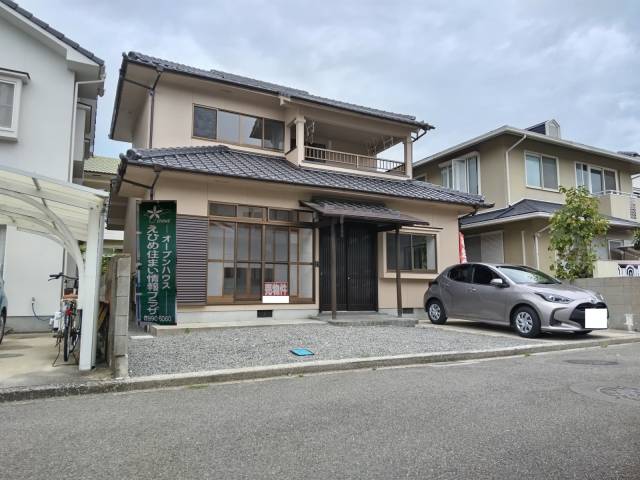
(566, 165)
(193, 192)
(176, 96)
(492, 172)
(141, 126)
(519, 242)
(493, 177)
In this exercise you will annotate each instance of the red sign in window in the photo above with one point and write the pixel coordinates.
(276, 289)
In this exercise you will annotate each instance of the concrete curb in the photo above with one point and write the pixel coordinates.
(288, 369)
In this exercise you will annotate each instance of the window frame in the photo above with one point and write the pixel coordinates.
(412, 270)
(451, 171)
(540, 156)
(595, 167)
(240, 114)
(289, 226)
(16, 79)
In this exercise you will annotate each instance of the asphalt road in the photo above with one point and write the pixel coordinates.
(527, 417)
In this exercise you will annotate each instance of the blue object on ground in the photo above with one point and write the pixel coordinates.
(301, 352)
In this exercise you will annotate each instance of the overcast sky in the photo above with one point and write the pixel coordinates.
(465, 67)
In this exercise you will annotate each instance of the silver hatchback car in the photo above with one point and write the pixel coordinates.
(525, 298)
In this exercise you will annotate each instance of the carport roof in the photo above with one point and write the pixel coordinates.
(45, 206)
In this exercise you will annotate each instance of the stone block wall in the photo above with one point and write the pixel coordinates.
(622, 295)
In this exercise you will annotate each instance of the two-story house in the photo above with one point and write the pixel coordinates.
(276, 184)
(520, 172)
(49, 87)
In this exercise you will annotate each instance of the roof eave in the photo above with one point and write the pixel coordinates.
(128, 59)
(132, 158)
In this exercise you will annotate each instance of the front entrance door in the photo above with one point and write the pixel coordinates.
(356, 268)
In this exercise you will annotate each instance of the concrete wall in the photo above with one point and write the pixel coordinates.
(117, 283)
(621, 296)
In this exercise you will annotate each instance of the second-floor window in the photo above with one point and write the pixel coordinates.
(461, 174)
(6, 104)
(596, 179)
(237, 128)
(541, 171)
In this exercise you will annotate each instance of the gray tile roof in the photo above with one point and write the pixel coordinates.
(368, 211)
(294, 93)
(223, 161)
(529, 206)
(45, 26)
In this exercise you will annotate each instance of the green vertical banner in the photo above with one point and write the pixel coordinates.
(157, 261)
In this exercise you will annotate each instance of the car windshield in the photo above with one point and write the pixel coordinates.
(526, 275)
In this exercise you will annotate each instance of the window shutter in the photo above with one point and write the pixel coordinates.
(191, 273)
(491, 248)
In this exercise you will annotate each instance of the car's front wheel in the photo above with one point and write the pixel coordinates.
(435, 311)
(526, 322)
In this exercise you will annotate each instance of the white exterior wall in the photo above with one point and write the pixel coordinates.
(43, 146)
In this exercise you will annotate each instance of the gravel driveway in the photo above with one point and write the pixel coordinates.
(248, 347)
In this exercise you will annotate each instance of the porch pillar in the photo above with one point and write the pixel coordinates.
(334, 287)
(408, 157)
(300, 138)
(398, 279)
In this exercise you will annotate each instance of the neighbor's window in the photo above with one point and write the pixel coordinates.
(237, 128)
(417, 252)
(243, 255)
(596, 179)
(461, 174)
(541, 171)
(7, 90)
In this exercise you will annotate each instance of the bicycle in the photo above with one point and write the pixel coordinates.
(70, 334)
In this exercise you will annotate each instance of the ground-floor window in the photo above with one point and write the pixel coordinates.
(484, 247)
(243, 255)
(417, 252)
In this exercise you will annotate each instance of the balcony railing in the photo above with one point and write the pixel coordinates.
(632, 198)
(353, 160)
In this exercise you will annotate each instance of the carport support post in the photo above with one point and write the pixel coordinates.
(333, 279)
(398, 279)
(91, 288)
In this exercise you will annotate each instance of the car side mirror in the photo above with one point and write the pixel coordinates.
(498, 282)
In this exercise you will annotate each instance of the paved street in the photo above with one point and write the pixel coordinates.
(535, 416)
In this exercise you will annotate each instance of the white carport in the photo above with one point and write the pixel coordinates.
(65, 213)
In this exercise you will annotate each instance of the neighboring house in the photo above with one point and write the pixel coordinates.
(260, 172)
(48, 95)
(520, 172)
(98, 173)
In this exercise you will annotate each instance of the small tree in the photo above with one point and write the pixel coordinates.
(636, 239)
(573, 231)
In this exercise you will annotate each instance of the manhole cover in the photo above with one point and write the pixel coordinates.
(592, 362)
(10, 355)
(622, 393)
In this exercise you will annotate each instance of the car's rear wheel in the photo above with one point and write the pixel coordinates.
(526, 322)
(435, 311)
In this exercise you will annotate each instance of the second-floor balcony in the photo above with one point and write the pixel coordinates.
(349, 147)
(619, 204)
(353, 160)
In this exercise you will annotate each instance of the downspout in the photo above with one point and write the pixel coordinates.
(152, 94)
(72, 143)
(536, 237)
(506, 164)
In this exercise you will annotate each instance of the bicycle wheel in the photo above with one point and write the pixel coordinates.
(68, 344)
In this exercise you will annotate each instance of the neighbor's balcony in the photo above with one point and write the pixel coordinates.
(619, 204)
(353, 161)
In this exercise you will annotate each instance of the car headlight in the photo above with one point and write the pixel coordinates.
(552, 297)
